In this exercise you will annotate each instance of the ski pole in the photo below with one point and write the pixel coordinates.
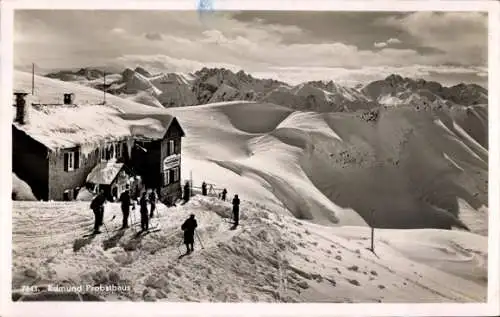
(131, 220)
(199, 239)
(106, 227)
(179, 247)
(134, 219)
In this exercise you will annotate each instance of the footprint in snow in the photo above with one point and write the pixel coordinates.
(353, 282)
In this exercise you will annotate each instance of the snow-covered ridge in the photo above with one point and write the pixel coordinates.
(410, 91)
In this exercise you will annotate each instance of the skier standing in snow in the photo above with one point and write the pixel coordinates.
(186, 192)
(204, 189)
(223, 195)
(188, 227)
(152, 201)
(144, 212)
(97, 206)
(236, 210)
(126, 202)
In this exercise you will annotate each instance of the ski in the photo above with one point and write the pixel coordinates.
(150, 230)
(185, 254)
(153, 230)
(88, 235)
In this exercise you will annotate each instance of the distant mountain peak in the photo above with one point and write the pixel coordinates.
(395, 78)
(142, 71)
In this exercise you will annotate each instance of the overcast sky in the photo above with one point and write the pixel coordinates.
(347, 47)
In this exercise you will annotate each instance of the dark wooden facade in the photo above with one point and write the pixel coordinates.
(30, 163)
(148, 157)
(52, 177)
(171, 191)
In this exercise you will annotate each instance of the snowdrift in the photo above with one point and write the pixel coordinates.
(268, 258)
(21, 190)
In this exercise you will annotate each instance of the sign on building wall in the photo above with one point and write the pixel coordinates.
(171, 161)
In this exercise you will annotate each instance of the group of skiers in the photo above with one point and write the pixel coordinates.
(127, 202)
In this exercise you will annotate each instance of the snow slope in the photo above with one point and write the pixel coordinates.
(406, 166)
(268, 258)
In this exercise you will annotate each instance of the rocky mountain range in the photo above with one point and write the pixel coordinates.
(209, 85)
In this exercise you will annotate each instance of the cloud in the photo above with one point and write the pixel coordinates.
(364, 75)
(118, 31)
(153, 36)
(81, 39)
(393, 40)
(462, 36)
(163, 63)
(299, 74)
(380, 44)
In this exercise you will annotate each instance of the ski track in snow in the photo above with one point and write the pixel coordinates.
(268, 258)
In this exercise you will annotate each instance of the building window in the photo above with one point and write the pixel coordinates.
(166, 177)
(176, 174)
(171, 149)
(71, 161)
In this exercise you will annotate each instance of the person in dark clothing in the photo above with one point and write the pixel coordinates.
(236, 210)
(97, 206)
(223, 194)
(204, 189)
(188, 227)
(126, 202)
(152, 201)
(187, 192)
(144, 212)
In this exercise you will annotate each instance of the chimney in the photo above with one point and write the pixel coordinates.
(21, 107)
(68, 99)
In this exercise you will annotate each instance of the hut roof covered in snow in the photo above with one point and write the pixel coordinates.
(104, 173)
(67, 126)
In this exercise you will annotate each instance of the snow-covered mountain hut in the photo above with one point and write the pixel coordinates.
(57, 146)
